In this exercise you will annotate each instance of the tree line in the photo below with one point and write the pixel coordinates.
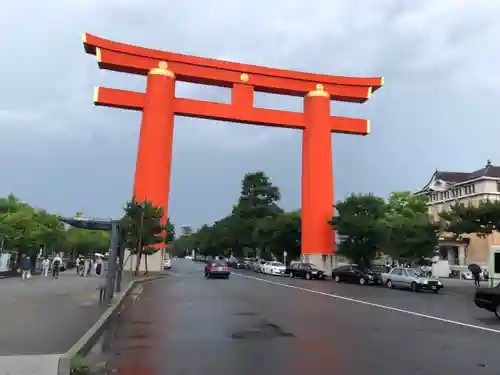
(27, 230)
(256, 226)
(399, 226)
(370, 226)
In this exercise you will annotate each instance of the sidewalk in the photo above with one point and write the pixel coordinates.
(44, 316)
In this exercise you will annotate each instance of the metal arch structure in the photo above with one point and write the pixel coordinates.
(159, 105)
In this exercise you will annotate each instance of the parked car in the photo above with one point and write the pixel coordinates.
(257, 266)
(306, 271)
(167, 264)
(356, 275)
(217, 268)
(240, 264)
(488, 299)
(273, 268)
(411, 278)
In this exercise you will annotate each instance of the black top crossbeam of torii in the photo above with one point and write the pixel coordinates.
(89, 223)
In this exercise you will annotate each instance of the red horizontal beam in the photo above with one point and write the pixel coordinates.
(210, 76)
(91, 43)
(227, 112)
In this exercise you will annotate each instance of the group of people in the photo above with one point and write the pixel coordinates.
(86, 264)
(26, 266)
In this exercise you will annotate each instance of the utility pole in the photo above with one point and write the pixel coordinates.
(113, 256)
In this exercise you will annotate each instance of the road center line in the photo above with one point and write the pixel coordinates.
(372, 304)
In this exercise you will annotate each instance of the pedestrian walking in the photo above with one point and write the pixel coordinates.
(476, 276)
(25, 267)
(81, 266)
(45, 266)
(98, 267)
(77, 265)
(56, 264)
(89, 266)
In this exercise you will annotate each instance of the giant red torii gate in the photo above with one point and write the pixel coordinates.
(159, 105)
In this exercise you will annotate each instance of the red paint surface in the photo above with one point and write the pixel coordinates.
(317, 178)
(154, 155)
(154, 159)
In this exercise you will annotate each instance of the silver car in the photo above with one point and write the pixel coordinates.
(411, 278)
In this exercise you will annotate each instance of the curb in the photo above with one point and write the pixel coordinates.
(84, 344)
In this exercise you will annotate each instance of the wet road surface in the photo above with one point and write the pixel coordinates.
(185, 324)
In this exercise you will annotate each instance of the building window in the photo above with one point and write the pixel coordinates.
(470, 189)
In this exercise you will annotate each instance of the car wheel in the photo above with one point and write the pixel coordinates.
(337, 279)
(389, 284)
(308, 276)
(497, 311)
(436, 291)
(362, 281)
(414, 287)
(227, 277)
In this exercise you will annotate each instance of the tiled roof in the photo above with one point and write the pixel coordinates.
(454, 177)
(489, 170)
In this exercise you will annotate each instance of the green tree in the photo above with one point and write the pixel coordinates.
(170, 228)
(482, 219)
(360, 219)
(143, 229)
(257, 201)
(258, 197)
(412, 235)
(281, 233)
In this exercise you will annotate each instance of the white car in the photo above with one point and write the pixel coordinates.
(167, 264)
(273, 268)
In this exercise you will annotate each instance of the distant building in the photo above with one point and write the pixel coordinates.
(465, 188)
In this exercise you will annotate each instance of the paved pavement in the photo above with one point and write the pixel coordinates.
(42, 318)
(263, 324)
(45, 315)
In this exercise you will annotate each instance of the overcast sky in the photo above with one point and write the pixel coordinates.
(439, 108)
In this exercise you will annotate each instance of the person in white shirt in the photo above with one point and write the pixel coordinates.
(45, 266)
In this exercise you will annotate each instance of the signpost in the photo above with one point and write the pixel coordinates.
(284, 256)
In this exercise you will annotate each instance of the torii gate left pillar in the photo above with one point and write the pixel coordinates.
(159, 106)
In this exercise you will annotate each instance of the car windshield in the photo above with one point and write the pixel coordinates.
(218, 263)
(414, 272)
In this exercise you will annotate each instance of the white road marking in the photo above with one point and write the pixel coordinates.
(443, 320)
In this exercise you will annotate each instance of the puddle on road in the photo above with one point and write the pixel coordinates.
(245, 313)
(262, 331)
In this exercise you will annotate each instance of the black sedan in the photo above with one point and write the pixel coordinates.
(240, 264)
(306, 271)
(356, 275)
(488, 299)
(217, 268)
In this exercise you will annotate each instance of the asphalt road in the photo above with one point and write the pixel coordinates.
(253, 324)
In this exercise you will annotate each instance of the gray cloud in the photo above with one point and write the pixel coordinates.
(438, 108)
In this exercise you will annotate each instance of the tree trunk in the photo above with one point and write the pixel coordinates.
(146, 264)
(138, 264)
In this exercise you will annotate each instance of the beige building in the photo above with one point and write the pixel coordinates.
(466, 188)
